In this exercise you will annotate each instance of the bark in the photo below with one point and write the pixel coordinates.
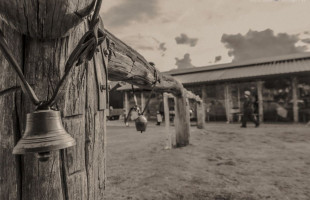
(74, 173)
(44, 19)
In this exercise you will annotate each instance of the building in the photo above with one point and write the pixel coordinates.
(280, 86)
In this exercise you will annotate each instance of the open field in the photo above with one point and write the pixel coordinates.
(223, 162)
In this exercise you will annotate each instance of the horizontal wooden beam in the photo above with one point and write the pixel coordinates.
(127, 65)
(192, 96)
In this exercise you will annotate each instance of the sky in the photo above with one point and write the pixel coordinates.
(192, 33)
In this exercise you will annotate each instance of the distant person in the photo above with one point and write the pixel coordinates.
(248, 110)
(158, 118)
(160, 112)
(255, 106)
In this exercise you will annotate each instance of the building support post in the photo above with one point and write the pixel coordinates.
(182, 120)
(295, 98)
(204, 100)
(227, 102)
(260, 101)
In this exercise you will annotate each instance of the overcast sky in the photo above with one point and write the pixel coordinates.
(191, 33)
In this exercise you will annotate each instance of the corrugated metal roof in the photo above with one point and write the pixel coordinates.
(265, 60)
(259, 70)
(262, 67)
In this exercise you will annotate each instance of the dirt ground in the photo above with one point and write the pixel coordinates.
(223, 162)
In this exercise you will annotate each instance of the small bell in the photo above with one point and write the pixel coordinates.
(141, 123)
(44, 132)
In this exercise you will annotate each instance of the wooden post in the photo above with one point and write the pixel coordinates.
(182, 120)
(142, 101)
(167, 122)
(126, 102)
(295, 98)
(204, 99)
(76, 172)
(227, 102)
(200, 115)
(260, 101)
(239, 104)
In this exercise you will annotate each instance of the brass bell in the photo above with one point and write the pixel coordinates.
(141, 123)
(44, 132)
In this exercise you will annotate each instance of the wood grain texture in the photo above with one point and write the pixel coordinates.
(167, 122)
(10, 168)
(182, 121)
(74, 173)
(260, 100)
(42, 19)
(295, 98)
(201, 118)
(128, 65)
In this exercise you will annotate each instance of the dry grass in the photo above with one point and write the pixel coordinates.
(223, 162)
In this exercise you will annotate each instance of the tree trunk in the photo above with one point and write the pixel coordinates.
(74, 173)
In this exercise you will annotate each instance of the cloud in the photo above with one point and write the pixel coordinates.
(185, 62)
(257, 44)
(130, 11)
(306, 40)
(162, 47)
(184, 39)
(142, 42)
(217, 58)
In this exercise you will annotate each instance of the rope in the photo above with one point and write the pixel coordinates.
(148, 101)
(83, 51)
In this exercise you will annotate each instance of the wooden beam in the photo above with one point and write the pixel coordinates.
(260, 101)
(128, 65)
(192, 96)
(118, 85)
(295, 98)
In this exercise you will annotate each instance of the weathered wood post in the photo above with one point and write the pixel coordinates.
(295, 99)
(182, 120)
(74, 173)
(260, 101)
(201, 121)
(126, 102)
(204, 99)
(10, 97)
(167, 121)
(142, 100)
(227, 97)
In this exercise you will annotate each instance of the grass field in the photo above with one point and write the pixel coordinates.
(223, 162)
